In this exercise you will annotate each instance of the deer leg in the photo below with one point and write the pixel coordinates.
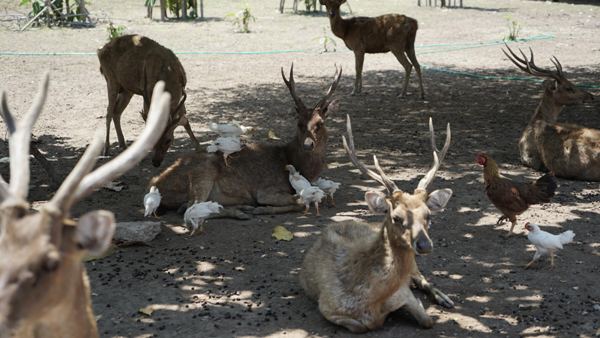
(122, 102)
(186, 124)
(407, 69)
(404, 297)
(275, 202)
(113, 95)
(410, 52)
(422, 283)
(359, 58)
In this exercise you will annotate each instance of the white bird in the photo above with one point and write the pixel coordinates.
(227, 145)
(329, 187)
(196, 214)
(297, 181)
(228, 129)
(545, 242)
(151, 201)
(311, 194)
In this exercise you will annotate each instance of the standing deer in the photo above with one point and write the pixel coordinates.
(133, 64)
(569, 150)
(44, 289)
(382, 34)
(256, 175)
(359, 273)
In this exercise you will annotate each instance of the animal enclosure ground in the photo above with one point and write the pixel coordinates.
(235, 279)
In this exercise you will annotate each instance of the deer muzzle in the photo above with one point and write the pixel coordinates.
(422, 244)
(309, 144)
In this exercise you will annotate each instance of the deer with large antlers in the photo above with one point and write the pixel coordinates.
(569, 150)
(256, 177)
(44, 289)
(133, 64)
(359, 273)
(386, 33)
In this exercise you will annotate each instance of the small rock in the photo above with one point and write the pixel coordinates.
(143, 232)
(596, 307)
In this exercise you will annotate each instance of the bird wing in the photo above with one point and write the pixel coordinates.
(545, 240)
(503, 193)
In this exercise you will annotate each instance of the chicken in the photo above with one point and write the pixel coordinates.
(196, 214)
(225, 144)
(297, 181)
(151, 201)
(228, 129)
(311, 194)
(510, 197)
(546, 243)
(329, 187)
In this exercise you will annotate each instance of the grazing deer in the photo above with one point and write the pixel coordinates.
(569, 150)
(256, 175)
(359, 273)
(382, 34)
(133, 64)
(44, 289)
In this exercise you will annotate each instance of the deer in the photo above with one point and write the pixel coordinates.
(386, 33)
(133, 64)
(569, 150)
(44, 288)
(359, 273)
(256, 178)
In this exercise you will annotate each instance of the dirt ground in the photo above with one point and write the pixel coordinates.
(235, 279)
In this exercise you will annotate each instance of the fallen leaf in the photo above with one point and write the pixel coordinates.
(271, 135)
(146, 310)
(114, 186)
(282, 234)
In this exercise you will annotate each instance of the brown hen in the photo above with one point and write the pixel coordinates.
(510, 197)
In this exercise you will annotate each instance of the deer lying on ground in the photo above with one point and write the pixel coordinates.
(382, 34)
(359, 273)
(44, 289)
(569, 150)
(133, 64)
(256, 175)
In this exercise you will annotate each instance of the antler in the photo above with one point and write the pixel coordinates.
(292, 87)
(80, 182)
(336, 79)
(529, 67)
(351, 151)
(18, 143)
(438, 156)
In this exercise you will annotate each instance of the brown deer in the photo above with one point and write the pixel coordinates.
(569, 150)
(44, 289)
(359, 273)
(256, 175)
(382, 34)
(133, 64)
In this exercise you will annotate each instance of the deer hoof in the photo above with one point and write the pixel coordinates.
(442, 299)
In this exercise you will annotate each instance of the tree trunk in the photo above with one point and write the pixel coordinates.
(163, 10)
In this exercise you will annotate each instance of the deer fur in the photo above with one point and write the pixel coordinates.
(569, 150)
(386, 33)
(44, 289)
(133, 64)
(359, 273)
(256, 175)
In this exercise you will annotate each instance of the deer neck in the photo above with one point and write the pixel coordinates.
(398, 253)
(339, 26)
(309, 163)
(547, 110)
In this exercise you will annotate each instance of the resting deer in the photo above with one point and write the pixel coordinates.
(569, 150)
(44, 289)
(382, 34)
(359, 273)
(256, 175)
(133, 64)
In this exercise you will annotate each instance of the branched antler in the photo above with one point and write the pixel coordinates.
(292, 87)
(438, 156)
(529, 66)
(336, 79)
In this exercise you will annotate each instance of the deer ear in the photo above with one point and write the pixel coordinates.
(331, 107)
(377, 202)
(95, 231)
(438, 199)
(549, 84)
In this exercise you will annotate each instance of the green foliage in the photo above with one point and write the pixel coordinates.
(115, 31)
(242, 19)
(325, 41)
(59, 13)
(174, 7)
(514, 29)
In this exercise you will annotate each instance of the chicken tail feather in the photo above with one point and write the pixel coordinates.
(543, 189)
(566, 237)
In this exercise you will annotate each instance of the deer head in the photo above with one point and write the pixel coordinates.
(332, 6)
(41, 273)
(164, 143)
(556, 85)
(311, 133)
(407, 215)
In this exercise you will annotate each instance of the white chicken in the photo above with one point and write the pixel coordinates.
(329, 187)
(297, 181)
(312, 194)
(225, 144)
(196, 214)
(228, 129)
(546, 243)
(151, 201)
